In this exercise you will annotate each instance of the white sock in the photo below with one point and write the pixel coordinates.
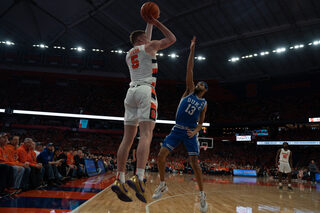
(121, 176)
(162, 183)
(140, 174)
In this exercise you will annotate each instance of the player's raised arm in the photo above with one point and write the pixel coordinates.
(149, 31)
(190, 65)
(167, 41)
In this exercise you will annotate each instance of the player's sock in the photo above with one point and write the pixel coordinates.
(162, 183)
(121, 176)
(140, 174)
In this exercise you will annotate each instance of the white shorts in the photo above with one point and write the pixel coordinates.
(284, 168)
(140, 105)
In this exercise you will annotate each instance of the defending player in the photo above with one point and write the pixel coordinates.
(140, 105)
(189, 118)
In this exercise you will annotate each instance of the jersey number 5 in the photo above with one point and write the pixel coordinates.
(134, 61)
(190, 109)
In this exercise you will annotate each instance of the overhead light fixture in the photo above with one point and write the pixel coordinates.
(79, 49)
(298, 46)
(173, 55)
(200, 58)
(9, 43)
(316, 43)
(279, 50)
(234, 59)
(59, 47)
(264, 53)
(42, 46)
(97, 50)
(2, 110)
(159, 54)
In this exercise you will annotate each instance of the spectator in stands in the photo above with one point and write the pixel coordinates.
(38, 149)
(79, 164)
(18, 171)
(71, 164)
(5, 177)
(313, 170)
(12, 155)
(25, 156)
(51, 171)
(63, 167)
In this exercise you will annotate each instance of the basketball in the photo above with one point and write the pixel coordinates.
(150, 9)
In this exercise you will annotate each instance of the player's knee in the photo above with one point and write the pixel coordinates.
(146, 134)
(162, 155)
(193, 160)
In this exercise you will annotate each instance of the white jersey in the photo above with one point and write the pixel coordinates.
(142, 66)
(284, 156)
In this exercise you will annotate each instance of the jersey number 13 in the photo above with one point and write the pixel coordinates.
(190, 109)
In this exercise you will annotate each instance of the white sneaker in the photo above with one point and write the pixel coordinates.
(203, 203)
(159, 191)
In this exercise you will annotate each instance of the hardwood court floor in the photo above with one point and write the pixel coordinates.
(224, 194)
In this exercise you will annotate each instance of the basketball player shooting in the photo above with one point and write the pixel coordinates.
(140, 105)
(189, 118)
(284, 163)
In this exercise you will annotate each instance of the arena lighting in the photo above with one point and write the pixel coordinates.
(97, 50)
(200, 58)
(264, 53)
(8, 43)
(173, 55)
(160, 54)
(79, 49)
(312, 120)
(59, 47)
(70, 115)
(42, 46)
(279, 50)
(2, 110)
(316, 42)
(234, 59)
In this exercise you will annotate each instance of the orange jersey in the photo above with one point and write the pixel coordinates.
(4, 158)
(23, 155)
(32, 157)
(70, 159)
(12, 154)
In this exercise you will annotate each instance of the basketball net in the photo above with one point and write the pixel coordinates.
(204, 148)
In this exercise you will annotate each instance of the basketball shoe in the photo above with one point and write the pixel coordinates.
(122, 193)
(138, 186)
(161, 189)
(203, 203)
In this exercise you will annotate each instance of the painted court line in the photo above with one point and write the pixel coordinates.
(85, 203)
(181, 195)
